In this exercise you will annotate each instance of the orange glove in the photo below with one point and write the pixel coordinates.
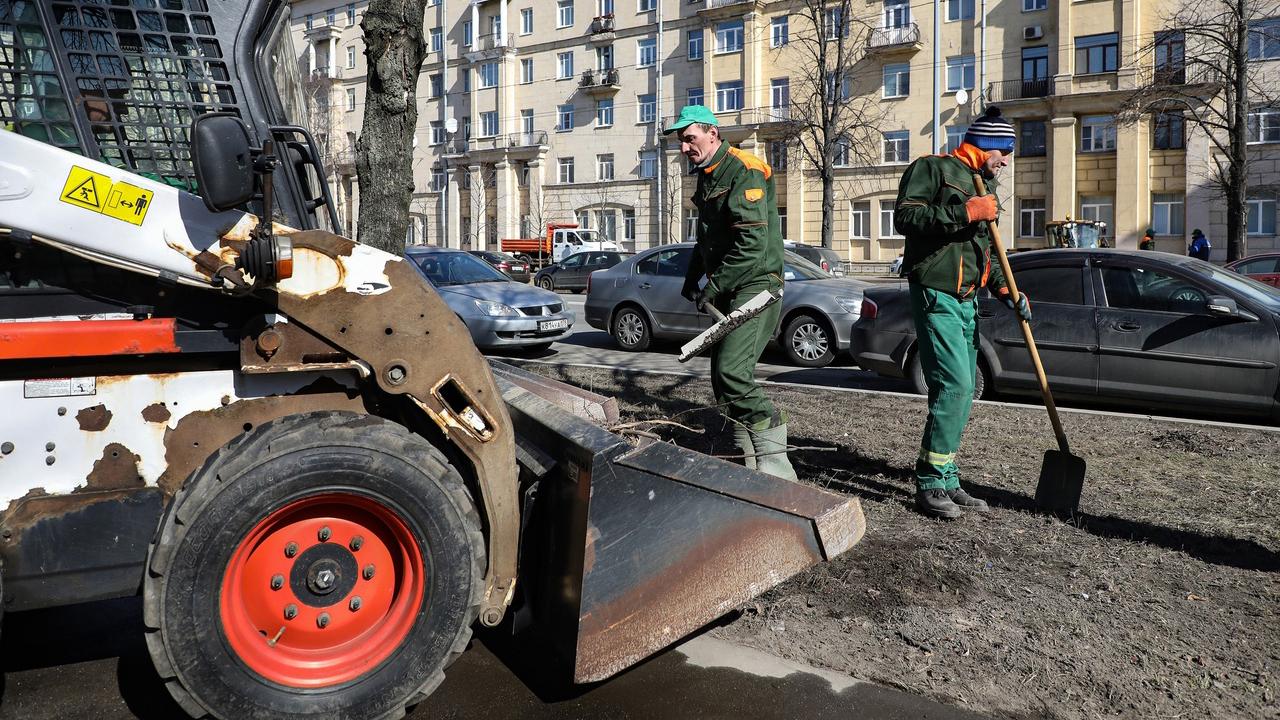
(981, 207)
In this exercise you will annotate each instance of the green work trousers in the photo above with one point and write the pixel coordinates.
(947, 340)
(733, 359)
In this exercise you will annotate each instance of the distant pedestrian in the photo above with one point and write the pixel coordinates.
(1199, 247)
(1148, 240)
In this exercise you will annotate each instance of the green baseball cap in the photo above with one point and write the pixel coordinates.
(690, 114)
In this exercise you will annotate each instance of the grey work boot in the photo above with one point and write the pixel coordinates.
(936, 503)
(742, 439)
(967, 501)
(771, 452)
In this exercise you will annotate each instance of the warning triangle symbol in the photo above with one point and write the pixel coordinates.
(85, 194)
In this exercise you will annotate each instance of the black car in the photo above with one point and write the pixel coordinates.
(1144, 329)
(825, 258)
(572, 272)
(507, 264)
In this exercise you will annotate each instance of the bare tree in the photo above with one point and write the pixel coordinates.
(395, 49)
(831, 122)
(1198, 65)
(481, 206)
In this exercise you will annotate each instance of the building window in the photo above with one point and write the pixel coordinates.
(437, 39)
(1264, 39)
(351, 100)
(331, 17)
(564, 65)
(780, 31)
(1263, 125)
(628, 225)
(897, 13)
(438, 179)
(694, 40)
(604, 58)
(1167, 214)
(838, 85)
(351, 57)
(604, 112)
(1035, 72)
(728, 96)
(564, 13)
(1031, 139)
(1170, 131)
(437, 132)
(465, 75)
(647, 108)
(309, 21)
(1031, 214)
(1098, 208)
(782, 222)
(608, 223)
(1170, 57)
(897, 146)
(776, 155)
(604, 8)
(1033, 5)
(1097, 53)
(694, 96)
(649, 164)
(690, 224)
(729, 36)
(955, 136)
(564, 170)
(526, 121)
(526, 21)
(466, 128)
(860, 220)
(526, 70)
(351, 15)
(780, 98)
(604, 166)
(1262, 217)
(1097, 133)
(488, 75)
(959, 9)
(468, 34)
(564, 117)
(835, 24)
(646, 52)
(489, 123)
(646, 5)
(960, 73)
(840, 152)
(897, 80)
(887, 229)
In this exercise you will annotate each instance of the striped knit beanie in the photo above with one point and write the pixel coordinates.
(991, 132)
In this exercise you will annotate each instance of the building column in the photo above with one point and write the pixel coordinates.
(501, 40)
(673, 188)
(795, 194)
(476, 31)
(311, 59)
(754, 86)
(479, 218)
(333, 56)
(1133, 184)
(1062, 166)
(537, 209)
(508, 200)
(452, 235)
(1202, 200)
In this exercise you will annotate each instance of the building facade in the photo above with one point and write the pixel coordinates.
(537, 111)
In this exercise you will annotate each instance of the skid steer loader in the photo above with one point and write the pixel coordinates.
(284, 440)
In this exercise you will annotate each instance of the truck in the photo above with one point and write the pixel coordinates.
(282, 440)
(560, 241)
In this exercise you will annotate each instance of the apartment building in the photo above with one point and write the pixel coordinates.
(534, 111)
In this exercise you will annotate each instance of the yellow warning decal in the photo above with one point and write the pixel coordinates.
(94, 191)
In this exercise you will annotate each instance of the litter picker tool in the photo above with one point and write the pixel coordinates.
(725, 324)
(1061, 473)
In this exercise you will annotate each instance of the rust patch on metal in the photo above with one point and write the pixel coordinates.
(36, 506)
(94, 419)
(115, 470)
(156, 413)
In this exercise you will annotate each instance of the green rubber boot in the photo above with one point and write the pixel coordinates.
(742, 439)
(771, 452)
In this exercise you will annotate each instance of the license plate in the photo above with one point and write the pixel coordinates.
(517, 268)
(548, 325)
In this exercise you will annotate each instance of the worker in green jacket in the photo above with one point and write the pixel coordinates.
(739, 253)
(947, 261)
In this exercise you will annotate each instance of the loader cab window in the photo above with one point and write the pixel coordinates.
(33, 101)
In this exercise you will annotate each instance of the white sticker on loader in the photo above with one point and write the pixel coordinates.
(60, 387)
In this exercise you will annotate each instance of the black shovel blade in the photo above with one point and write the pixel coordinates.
(1061, 482)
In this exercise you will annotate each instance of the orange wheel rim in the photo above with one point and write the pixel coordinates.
(322, 590)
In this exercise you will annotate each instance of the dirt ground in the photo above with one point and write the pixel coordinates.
(1161, 601)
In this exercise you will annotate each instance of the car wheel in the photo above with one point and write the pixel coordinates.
(808, 342)
(915, 374)
(546, 283)
(631, 329)
(321, 564)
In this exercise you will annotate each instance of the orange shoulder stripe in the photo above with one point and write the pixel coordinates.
(752, 162)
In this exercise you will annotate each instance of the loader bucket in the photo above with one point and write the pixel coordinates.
(626, 549)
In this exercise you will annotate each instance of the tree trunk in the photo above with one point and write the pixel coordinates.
(1237, 190)
(828, 205)
(394, 49)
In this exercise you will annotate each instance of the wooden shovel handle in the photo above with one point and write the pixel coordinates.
(1026, 327)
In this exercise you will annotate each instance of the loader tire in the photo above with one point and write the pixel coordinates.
(321, 565)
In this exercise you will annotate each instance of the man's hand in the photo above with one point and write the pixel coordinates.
(982, 207)
(1022, 307)
(691, 291)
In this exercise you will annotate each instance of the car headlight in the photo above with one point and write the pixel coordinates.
(850, 304)
(495, 309)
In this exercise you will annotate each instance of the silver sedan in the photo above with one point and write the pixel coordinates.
(638, 300)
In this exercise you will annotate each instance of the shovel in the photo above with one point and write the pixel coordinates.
(725, 324)
(1061, 473)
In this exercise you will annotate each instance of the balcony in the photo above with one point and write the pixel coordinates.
(537, 138)
(602, 29)
(1009, 90)
(726, 8)
(497, 41)
(902, 38)
(322, 74)
(597, 83)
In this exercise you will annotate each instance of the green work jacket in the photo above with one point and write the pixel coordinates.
(739, 233)
(944, 251)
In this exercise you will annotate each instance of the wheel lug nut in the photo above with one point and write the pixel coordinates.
(291, 549)
(355, 603)
(356, 543)
(324, 534)
(322, 622)
(368, 572)
(290, 612)
(277, 582)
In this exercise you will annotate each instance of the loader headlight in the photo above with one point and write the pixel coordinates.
(495, 309)
(850, 304)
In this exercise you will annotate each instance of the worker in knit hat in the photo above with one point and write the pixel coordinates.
(947, 261)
